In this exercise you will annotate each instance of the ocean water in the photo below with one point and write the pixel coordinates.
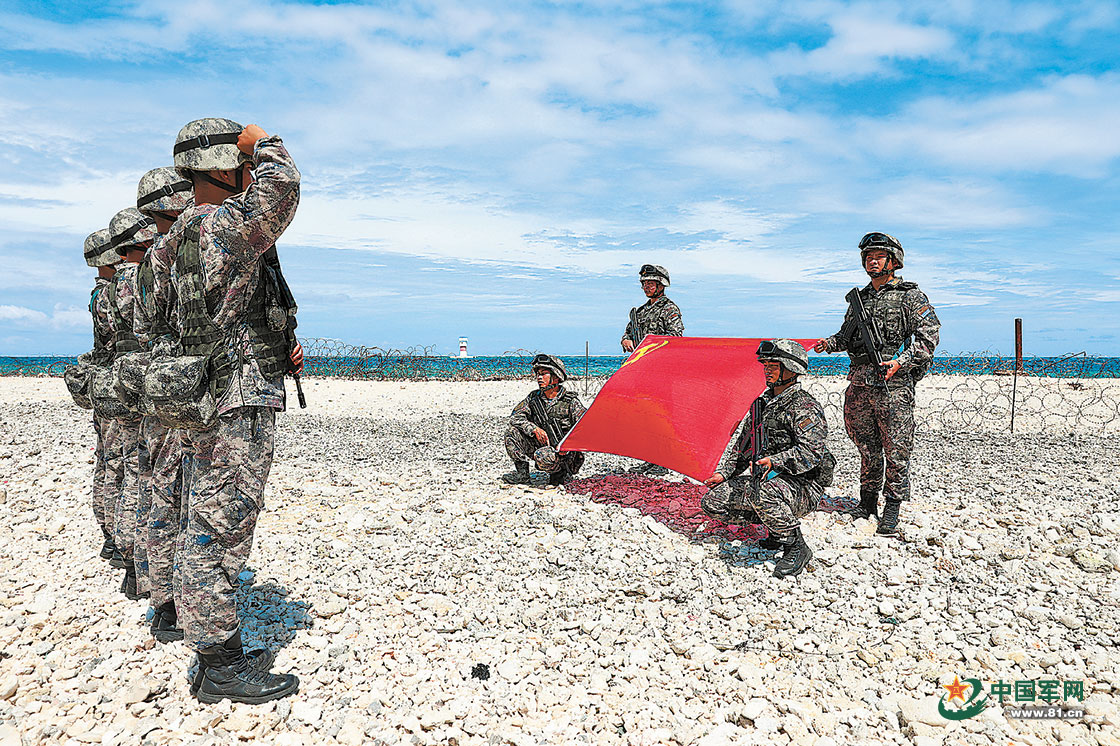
(419, 367)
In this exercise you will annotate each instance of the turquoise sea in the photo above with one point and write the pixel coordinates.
(391, 366)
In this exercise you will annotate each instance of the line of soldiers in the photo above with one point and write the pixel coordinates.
(779, 467)
(192, 271)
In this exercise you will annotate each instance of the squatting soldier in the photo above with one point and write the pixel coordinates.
(538, 424)
(106, 491)
(131, 236)
(791, 463)
(246, 191)
(658, 315)
(161, 195)
(879, 403)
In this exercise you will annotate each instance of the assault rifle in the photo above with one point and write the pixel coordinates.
(288, 303)
(634, 327)
(540, 414)
(757, 447)
(870, 336)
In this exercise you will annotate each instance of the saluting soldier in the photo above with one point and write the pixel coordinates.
(100, 253)
(793, 463)
(540, 421)
(161, 195)
(131, 236)
(246, 191)
(879, 403)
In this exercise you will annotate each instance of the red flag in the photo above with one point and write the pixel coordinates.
(675, 402)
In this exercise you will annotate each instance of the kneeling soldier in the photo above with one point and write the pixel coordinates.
(791, 461)
(540, 422)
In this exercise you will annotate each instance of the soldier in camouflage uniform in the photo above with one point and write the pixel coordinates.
(246, 191)
(99, 253)
(539, 422)
(879, 404)
(796, 465)
(161, 195)
(132, 235)
(658, 315)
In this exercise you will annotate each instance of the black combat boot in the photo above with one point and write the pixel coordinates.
(559, 477)
(867, 507)
(519, 475)
(259, 660)
(164, 623)
(770, 543)
(117, 559)
(795, 556)
(888, 523)
(128, 585)
(108, 549)
(227, 674)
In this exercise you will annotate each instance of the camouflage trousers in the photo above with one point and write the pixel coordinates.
(157, 515)
(128, 470)
(522, 448)
(105, 429)
(225, 469)
(881, 424)
(781, 502)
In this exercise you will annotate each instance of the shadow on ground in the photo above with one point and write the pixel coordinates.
(268, 617)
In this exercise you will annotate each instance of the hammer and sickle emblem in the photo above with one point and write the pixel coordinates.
(641, 352)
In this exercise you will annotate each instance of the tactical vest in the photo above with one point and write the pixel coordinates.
(124, 339)
(780, 438)
(560, 413)
(145, 284)
(202, 337)
(102, 342)
(885, 306)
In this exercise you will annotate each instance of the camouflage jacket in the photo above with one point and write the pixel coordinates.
(102, 319)
(795, 430)
(234, 237)
(910, 330)
(125, 292)
(656, 316)
(563, 412)
(152, 302)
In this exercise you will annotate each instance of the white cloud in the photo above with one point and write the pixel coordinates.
(64, 317)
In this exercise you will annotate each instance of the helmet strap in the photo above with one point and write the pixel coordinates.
(232, 189)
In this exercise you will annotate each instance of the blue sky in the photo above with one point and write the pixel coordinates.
(500, 170)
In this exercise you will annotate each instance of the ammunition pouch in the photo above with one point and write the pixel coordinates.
(128, 374)
(103, 394)
(77, 378)
(179, 391)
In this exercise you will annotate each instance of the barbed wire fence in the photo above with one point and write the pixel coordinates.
(979, 391)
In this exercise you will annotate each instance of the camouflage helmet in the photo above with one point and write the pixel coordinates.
(99, 250)
(208, 145)
(128, 229)
(882, 242)
(163, 190)
(551, 363)
(790, 354)
(654, 272)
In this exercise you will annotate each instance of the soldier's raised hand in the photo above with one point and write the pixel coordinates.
(821, 346)
(247, 140)
(541, 436)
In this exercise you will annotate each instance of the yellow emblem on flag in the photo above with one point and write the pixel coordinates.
(641, 352)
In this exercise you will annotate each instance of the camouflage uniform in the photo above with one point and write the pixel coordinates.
(134, 453)
(563, 412)
(107, 473)
(656, 316)
(226, 467)
(161, 474)
(795, 432)
(878, 417)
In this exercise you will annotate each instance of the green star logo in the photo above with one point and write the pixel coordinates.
(972, 707)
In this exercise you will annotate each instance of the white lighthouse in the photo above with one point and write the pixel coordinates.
(463, 347)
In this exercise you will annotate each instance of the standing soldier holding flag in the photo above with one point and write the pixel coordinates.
(246, 191)
(879, 401)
